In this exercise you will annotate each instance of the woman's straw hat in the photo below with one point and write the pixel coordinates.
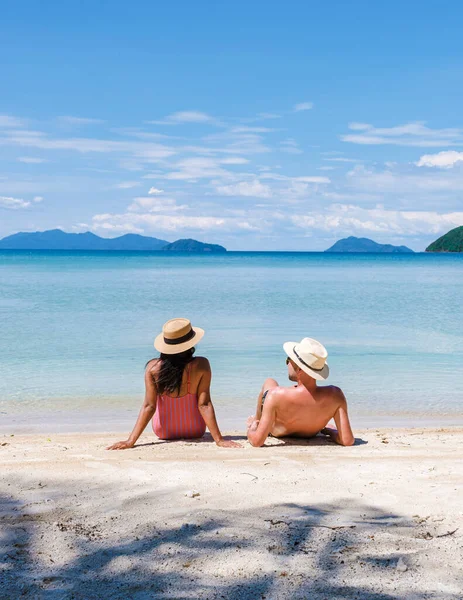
(177, 336)
(310, 356)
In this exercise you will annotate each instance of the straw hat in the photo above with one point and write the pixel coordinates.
(177, 336)
(310, 356)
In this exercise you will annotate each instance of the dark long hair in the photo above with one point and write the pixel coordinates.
(169, 375)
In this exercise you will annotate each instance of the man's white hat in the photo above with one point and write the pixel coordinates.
(310, 356)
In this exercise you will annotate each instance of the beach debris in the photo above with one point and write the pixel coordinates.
(276, 522)
(276, 548)
(334, 527)
(91, 532)
(426, 535)
(401, 566)
(448, 533)
(419, 519)
(192, 494)
(251, 475)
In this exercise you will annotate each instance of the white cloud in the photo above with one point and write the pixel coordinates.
(248, 129)
(37, 199)
(290, 146)
(303, 106)
(359, 126)
(31, 160)
(127, 185)
(155, 191)
(410, 134)
(6, 122)
(79, 121)
(13, 203)
(234, 143)
(342, 159)
(150, 204)
(186, 116)
(410, 183)
(234, 160)
(195, 168)
(343, 219)
(312, 179)
(444, 160)
(138, 222)
(37, 139)
(252, 189)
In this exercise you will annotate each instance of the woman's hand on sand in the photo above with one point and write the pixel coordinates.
(223, 443)
(121, 445)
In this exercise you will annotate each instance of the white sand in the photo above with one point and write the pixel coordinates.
(311, 520)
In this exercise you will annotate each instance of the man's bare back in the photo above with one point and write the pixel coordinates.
(300, 411)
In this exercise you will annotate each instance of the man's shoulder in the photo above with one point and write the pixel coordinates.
(279, 393)
(332, 391)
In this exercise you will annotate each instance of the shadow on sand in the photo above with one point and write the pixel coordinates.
(318, 440)
(303, 552)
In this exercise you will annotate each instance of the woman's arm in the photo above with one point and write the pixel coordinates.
(146, 413)
(207, 409)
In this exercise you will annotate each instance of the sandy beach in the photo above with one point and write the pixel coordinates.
(380, 520)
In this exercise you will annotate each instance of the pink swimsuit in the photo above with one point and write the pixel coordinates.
(178, 417)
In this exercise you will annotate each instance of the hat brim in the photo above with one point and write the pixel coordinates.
(161, 346)
(322, 375)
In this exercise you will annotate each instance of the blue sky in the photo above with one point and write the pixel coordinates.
(258, 125)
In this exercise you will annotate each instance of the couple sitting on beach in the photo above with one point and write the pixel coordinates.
(178, 398)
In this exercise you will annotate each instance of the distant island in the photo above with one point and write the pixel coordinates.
(354, 244)
(450, 242)
(56, 239)
(190, 245)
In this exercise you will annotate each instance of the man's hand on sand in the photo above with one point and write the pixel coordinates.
(223, 443)
(121, 445)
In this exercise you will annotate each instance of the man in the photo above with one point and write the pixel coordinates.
(305, 409)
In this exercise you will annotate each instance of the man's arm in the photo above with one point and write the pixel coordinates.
(342, 435)
(258, 430)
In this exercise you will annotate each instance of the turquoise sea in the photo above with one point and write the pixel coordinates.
(76, 330)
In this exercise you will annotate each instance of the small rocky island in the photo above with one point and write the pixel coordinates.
(56, 239)
(190, 245)
(355, 244)
(450, 242)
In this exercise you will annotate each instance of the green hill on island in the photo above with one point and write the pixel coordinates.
(190, 245)
(355, 244)
(450, 242)
(56, 239)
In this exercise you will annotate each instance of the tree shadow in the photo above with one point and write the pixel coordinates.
(289, 550)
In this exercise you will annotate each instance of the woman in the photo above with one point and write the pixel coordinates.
(177, 395)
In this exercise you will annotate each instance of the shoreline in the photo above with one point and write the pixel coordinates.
(97, 421)
(300, 519)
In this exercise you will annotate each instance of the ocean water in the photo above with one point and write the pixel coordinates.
(76, 330)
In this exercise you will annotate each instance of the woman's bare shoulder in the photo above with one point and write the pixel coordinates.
(152, 365)
(200, 363)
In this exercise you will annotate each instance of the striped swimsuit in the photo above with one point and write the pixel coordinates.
(177, 418)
